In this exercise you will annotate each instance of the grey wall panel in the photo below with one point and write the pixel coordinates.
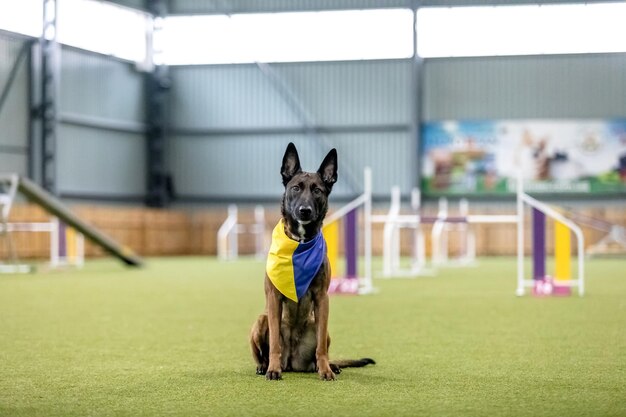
(249, 6)
(329, 93)
(356, 92)
(228, 163)
(226, 96)
(230, 166)
(450, 3)
(100, 86)
(559, 86)
(240, 167)
(243, 6)
(93, 159)
(14, 163)
(391, 156)
(14, 113)
(135, 4)
(100, 163)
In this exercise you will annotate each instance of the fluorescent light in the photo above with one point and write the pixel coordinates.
(22, 16)
(328, 35)
(103, 27)
(521, 30)
(288, 37)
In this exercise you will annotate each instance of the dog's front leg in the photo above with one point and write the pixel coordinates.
(274, 314)
(321, 353)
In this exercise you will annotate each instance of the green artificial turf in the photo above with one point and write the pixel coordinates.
(172, 340)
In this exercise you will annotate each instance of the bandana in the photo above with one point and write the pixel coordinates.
(292, 265)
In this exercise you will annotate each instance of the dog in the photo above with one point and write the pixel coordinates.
(292, 333)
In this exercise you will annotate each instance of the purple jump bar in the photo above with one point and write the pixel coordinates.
(539, 245)
(351, 245)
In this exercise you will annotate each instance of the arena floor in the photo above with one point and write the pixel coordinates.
(171, 339)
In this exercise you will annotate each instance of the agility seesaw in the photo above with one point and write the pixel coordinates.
(54, 206)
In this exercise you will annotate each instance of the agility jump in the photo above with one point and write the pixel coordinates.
(11, 184)
(393, 223)
(67, 246)
(558, 283)
(561, 282)
(613, 242)
(351, 282)
(442, 224)
(227, 235)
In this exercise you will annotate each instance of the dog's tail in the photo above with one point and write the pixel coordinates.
(352, 363)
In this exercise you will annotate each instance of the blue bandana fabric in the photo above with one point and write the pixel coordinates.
(292, 265)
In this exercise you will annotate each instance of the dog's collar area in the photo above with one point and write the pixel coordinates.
(292, 265)
(298, 231)
(301, 231)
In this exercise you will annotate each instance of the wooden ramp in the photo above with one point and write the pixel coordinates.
(54, 206)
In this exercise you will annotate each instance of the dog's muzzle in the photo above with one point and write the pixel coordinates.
(304, 214)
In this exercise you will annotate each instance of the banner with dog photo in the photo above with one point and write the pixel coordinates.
(560, 156)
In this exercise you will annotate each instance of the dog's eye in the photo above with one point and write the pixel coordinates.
(295, 188)
(317, 191)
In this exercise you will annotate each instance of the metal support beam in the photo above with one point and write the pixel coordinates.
(34, 58)
(297, 130)
(49, 91)
(417, 100)
(157, 82)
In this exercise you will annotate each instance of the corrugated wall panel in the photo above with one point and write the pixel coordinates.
(357, 92)
(101, 163)
(14, 113)
(559, 86)
(10, 162)
(450, 3)
(331, 93)
(226, 96)
(390, 155)
(227, 167)
(95, 160)
(136, 4)
(241, 167)
(346, 99)
(101, 86)
(253, 6)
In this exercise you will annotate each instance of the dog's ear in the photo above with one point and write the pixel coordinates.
(328, 169)
(291, 163)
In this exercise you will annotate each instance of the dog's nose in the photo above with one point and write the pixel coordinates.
(305, 211)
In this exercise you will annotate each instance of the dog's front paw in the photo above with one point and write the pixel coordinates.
(261, 369)
(273, 375)
(327, 375)
(336, 370)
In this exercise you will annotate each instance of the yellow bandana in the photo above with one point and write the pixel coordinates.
(292, 265)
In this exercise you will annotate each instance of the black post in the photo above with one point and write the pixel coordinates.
(157, 83)
(49, 87)
(417, 103)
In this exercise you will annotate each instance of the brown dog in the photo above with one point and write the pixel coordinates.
(292, 333)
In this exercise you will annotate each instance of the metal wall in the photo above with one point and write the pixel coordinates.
(267, 6)
(254, 6)
(136, 4)
(557, 86)
(101, 144)
(231, 124)
(14, 113)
